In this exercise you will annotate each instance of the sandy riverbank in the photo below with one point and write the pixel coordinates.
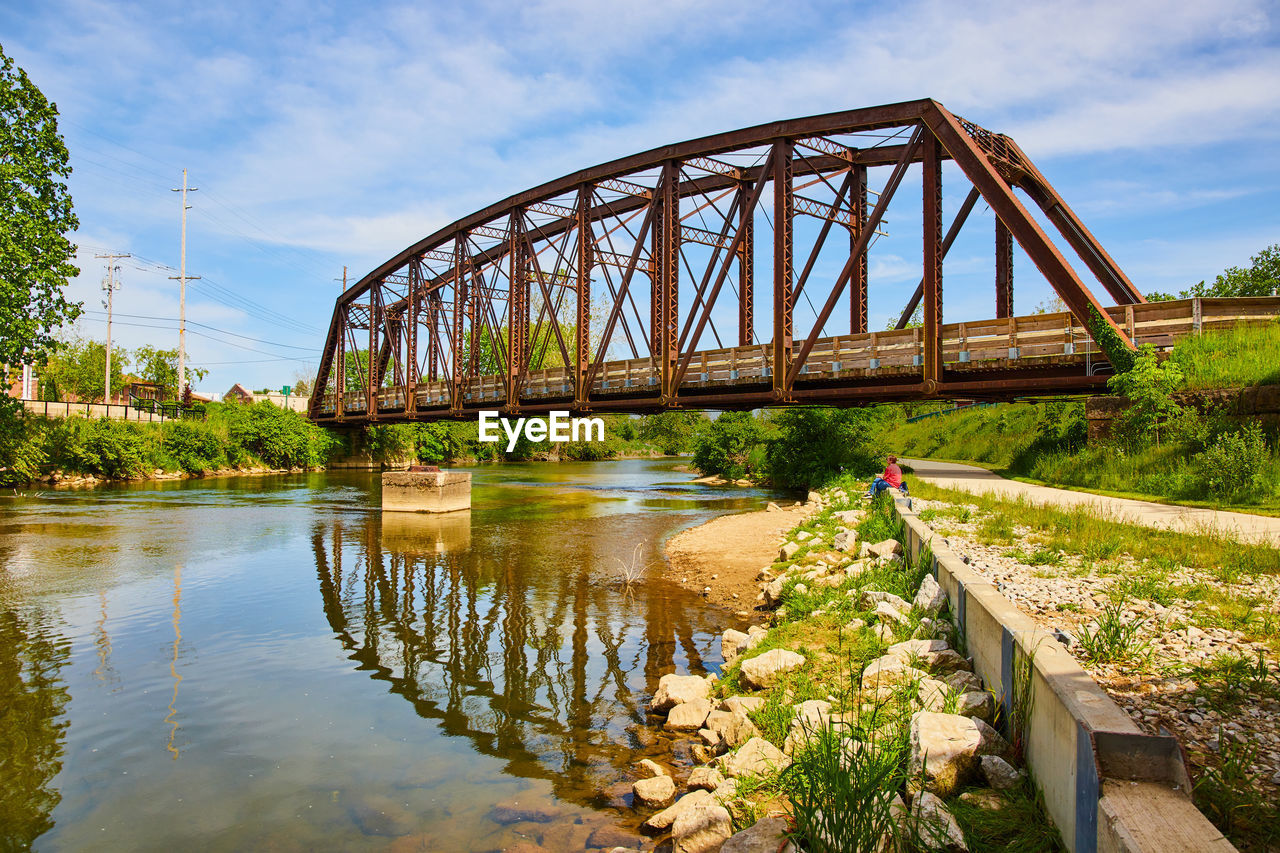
(727, 553)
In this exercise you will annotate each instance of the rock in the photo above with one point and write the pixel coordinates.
(811, 717)
(864, 550)
(938, 829)
(787, 551)
(888, 671)
(675, 690)
(884, 632)
(732, 728)
(888, 614)
(772, 507)
(963, 681)
(1000, 774)
(762, 671)
(705, 779)
(773, 591)
(930, 599)
(688, 716)
(756, 757)
(856, 625)
(702, 754)
(886, 548)
(702, 829)
(611, 837)
(844, 540)
(989, 800)
(665, 818)
(655, 793)
(976, 703)
(848, 516)
(379, 815)
(768, 835)
(947, 747)
(916, 648)
(731, 643)
(649, 769)
(933, 694)
(742, 704)
(514, 811)
(870, 597)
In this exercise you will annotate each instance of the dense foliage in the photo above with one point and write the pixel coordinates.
(76, 371)
(232, 436)
(792, 448)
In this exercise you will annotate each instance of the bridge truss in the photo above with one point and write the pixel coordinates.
(520, 306)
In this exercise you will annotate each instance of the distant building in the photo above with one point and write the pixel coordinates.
(23, 382)
(240, 394)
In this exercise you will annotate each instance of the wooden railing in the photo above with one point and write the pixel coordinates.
(1029, 341)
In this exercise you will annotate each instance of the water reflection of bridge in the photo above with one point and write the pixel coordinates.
(546, 670)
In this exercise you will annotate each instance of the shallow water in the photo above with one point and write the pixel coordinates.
(273, 663)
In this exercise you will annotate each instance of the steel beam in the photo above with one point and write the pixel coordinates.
(932, 227)
(858, 290)
(746, 268)
(1004, 270)
(783, 265)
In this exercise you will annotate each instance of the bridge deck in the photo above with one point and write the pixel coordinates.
(1040, 354)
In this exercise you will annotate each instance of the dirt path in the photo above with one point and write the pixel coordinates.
(970, 478)
(727, 553)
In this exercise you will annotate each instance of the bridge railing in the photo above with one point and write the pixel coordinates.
(1026, 341)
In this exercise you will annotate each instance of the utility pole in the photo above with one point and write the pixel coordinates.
(183, 278)
(110, 287)
(344, 278)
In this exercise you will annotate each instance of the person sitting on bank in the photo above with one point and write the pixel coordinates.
(891, 478)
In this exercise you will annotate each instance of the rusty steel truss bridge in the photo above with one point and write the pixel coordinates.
(535, 303)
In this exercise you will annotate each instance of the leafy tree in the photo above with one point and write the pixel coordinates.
(730, 446)
(675, 431)
(35, 217)
(78, 370)
(813, 445)
(161, 366)
(1149, 385)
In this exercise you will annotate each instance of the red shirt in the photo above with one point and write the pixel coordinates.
(893, 475)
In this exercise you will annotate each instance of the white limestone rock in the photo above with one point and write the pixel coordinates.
(657, 792)
(767, 835)
(947, 748)
(930, 598)
(756, 757)
(675, 690)
(763, 671)
(1000, 774)
(937, 828)
(688, 716)
(886, 548)
(702, 829)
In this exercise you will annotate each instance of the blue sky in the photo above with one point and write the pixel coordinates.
(323, 134)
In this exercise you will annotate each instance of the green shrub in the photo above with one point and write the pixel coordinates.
(1235, 464)
(195, 448)
(812, 445)
(726, 447)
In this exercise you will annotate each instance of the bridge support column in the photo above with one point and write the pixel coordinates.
(783, 266)
(858, 285)
(932, 375)
(1004, 271)
(426, 491)
(746, 266)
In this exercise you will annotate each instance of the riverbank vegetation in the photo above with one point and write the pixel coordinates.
(795, 448)
(233, 436)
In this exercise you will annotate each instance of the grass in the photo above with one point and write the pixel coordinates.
(1228, 680)
(1232, 358)
(1018, 826)
(1115, 639)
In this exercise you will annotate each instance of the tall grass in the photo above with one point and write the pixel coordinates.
(1232, 358)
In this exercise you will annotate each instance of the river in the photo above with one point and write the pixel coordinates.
(271, 662)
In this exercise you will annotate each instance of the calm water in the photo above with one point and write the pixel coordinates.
(272, 663)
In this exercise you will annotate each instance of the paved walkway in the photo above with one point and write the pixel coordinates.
(970, 478)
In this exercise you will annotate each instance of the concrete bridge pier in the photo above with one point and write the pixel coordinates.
(425, 488)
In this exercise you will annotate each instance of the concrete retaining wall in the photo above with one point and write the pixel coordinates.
(1107, 785)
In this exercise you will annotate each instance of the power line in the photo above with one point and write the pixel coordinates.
(204, 335)
(211, 328)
